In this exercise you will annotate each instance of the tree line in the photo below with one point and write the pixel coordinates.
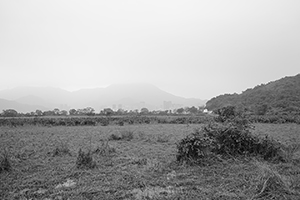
(89, 111)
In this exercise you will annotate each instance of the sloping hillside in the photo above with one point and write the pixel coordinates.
(281, 96)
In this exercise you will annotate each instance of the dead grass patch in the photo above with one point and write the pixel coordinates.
(273, 185)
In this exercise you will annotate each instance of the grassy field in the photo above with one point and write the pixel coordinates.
(141, 164)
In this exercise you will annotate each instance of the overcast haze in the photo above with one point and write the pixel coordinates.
(188, 48)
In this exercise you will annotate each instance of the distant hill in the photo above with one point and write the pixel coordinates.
(23, 108)
(127, 96)
(280, 96)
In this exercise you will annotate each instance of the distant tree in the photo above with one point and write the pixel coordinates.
(38, 112)
(9, 113)
(56, 111)
(201, 108)
(28, 114)
(120, 111)
(108, 111)
(63, 112)
(180, 110)
(144, 111)
(89, 111)
(163, 112)
(48, 113)
(192, 110)
(72, 112)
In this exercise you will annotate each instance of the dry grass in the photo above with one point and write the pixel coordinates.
(142, 167)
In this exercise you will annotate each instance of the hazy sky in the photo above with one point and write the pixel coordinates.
(188, 48)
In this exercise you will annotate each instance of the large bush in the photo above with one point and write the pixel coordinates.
(229, 136)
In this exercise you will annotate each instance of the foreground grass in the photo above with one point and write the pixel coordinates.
(43, 163)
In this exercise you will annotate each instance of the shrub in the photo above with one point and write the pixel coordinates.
(5, 163)
(85, 160)
(232, 137)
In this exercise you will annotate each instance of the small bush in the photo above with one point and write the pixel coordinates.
(5, 163)
(85, 160)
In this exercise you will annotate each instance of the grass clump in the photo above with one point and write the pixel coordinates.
(61, 149)
(104, 149)
(229, 136)
(114, 137)
(126, 135)
(85, 160)
(5, 164)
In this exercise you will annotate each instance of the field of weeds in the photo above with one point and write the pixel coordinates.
(136, 162)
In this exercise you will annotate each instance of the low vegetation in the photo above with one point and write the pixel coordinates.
(216, 161)
(102, 120)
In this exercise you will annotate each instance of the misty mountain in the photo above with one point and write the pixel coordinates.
(126, 96)
(34, 100)
(23, 108)
(282, 95)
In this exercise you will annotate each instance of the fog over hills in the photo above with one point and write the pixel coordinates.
(126, 96)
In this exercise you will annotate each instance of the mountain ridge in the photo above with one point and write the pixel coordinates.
(126, 96)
